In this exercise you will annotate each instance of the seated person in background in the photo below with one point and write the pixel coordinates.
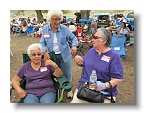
(124, 30)
(34, 21)
(105, 61)
(79, 32)
(39, 84)
(17, 30)
(72, 27)
(40, 30)
(85, 28)
(94, 28)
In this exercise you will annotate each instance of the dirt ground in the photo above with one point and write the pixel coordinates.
(126, 89)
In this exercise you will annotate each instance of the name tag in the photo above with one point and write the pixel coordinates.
(42, 69)
(46, 35)
(105, 58)
(117, 48)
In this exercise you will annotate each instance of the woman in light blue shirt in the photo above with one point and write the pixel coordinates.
(56, 37)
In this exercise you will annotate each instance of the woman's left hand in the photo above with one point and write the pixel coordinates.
(50, 62)
(46, 56)
(73, 50)
(98, 86)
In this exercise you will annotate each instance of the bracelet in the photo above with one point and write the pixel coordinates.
(56, 67)
(106, 85)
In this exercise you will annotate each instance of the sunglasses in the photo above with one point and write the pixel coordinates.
(95, 37)
(34, 54)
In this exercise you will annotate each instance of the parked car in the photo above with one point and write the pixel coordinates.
(130, 20)
(130, 17)
(96, 17)
(69, 19)
(120, 17)
(104, 20)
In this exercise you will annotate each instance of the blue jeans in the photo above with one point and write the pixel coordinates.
(49, 97)
(127, 37)
(65, 67)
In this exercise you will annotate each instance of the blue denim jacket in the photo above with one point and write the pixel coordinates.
(63, 34)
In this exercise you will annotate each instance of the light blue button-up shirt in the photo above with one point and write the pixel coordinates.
(63, 34)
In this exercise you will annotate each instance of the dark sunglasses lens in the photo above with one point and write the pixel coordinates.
(39, 54)
(33, 54)
(36, 54)
(94, 37)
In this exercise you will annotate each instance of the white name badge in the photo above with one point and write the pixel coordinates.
(46, 35)
(105, 58)
(116, 48)
(42, 69)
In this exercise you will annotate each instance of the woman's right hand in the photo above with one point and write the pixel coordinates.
(46, 56)
(21, 93)
(79, 60)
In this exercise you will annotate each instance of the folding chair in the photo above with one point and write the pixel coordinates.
(79, 35)
(61, 83)
(82, 40)
(118, 44)
(31, 31)
(118, 24)
(88, 21)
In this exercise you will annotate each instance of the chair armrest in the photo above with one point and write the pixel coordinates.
(64, 83)
(22, 85)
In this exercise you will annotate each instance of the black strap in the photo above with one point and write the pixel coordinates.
(112, 100)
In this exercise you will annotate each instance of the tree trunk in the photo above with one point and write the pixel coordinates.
(85, 14)
(39, 16)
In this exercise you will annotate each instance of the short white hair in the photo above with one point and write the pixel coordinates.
(32, 47)
(52, 13)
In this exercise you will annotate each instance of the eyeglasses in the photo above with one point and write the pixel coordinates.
(34, 54)
(56, 19)
(95, 37)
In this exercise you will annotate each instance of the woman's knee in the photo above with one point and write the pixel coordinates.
(30, 98)
(49, 97)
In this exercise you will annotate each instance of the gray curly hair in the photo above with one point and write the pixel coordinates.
(52, 13)
(34, 47)
(105, 34)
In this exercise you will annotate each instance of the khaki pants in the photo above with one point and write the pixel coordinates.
(76, 100)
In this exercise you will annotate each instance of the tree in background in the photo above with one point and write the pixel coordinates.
(39, 16)
(85, 14)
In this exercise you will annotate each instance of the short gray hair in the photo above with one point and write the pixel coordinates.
(105, 35)
(32, 47)
(52, 13)
(93, 24)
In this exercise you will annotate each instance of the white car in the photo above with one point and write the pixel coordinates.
(130, 17)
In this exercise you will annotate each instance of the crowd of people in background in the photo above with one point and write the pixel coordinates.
(22, 27)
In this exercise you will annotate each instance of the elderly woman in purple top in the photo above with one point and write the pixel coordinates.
(39, 85)
(106, 62)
